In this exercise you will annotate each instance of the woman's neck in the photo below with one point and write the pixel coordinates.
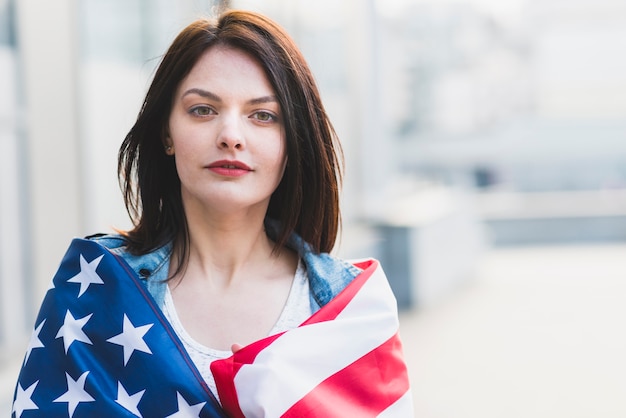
(225, 247)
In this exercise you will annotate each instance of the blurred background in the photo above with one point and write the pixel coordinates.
(485, 148)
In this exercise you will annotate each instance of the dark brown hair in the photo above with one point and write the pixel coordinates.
(307, 198)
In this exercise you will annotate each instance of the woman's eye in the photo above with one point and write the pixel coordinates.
(264, 117)
(202, 111)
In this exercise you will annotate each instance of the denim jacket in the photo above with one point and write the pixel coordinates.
(327, 275)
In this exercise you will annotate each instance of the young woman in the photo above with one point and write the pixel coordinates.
(223, 299)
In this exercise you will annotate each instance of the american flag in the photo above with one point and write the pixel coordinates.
(102, 348)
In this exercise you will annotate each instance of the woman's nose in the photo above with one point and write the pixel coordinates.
(231, 134)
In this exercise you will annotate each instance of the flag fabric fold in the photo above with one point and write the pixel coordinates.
(345, 360)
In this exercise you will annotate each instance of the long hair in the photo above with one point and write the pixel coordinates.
(307, 199)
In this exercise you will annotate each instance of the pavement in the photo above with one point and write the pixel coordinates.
(539, 332)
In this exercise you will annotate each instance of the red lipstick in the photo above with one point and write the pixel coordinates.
(229, 168)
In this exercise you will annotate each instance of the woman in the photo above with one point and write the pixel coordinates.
(223, 299)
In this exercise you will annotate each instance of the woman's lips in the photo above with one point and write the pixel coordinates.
(229, 168)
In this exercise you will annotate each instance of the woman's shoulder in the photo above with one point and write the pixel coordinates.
(328, 275)
(118, 244)
(110, 241)
(152, 267)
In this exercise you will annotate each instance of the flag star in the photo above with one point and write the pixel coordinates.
(131, 339)
(35, 342)
(87, 275)
(185, 410)
(75, 393)
(129, 402)
(72, 330)
(23, 399)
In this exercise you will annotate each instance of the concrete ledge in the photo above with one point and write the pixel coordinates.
(429, 245)
(553, 230)
(555, 217)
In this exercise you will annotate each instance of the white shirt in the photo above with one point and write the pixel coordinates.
(296, 310)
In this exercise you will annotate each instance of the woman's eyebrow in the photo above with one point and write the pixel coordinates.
(203, 93)
(212, 96)
(264, 99)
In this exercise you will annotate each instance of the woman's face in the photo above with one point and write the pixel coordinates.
(226, 134)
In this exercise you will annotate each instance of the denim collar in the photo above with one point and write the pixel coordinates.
(327, 274)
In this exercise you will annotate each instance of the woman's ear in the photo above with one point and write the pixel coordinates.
(169, 145)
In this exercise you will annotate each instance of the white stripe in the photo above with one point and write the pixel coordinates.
(303, 357)
(402, 408)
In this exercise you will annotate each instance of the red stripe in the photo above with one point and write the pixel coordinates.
(333, 308)
(225, 370)
(346, 395)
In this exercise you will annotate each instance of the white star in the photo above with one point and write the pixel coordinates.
(35, 342)
(129, 402)
(131, 339)
(75, 393)
(185, 410)
(87, 274)
(23, 399)
(72, 330)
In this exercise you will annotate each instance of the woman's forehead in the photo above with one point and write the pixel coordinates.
(228, 68)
